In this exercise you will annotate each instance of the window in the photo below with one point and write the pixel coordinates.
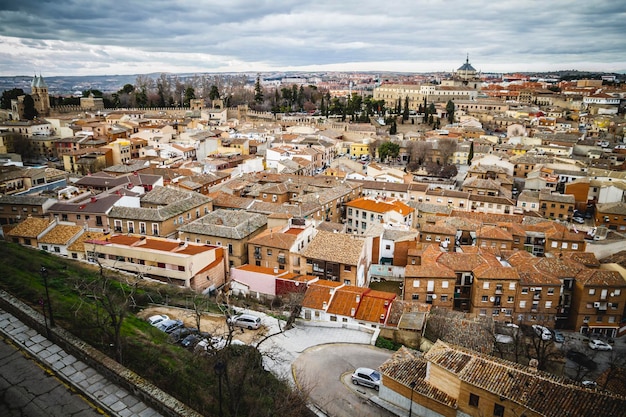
(415, 296)
(444, 284)
(525, 290)
(444, 298)
(269, 252)
(430, 286)
(548, 304)
(416, 283)
(510, 299)
(522, 304)
(485, 285)
(473, 400)
(575, 246)
(347, 268)
(564, 245)
(617, 292)
(483, 312)
(498, 410)
(555, 244)
(484, 298)
(511, 285)
(592, 291)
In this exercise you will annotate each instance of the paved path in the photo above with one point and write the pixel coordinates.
(110, 397)
(27, 390)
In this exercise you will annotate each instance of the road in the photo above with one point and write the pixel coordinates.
(26, 389)
(323, 371)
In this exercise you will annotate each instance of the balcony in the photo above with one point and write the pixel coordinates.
(257, 255)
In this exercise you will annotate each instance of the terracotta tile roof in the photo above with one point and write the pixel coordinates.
(374, 305)
(429, 271)
(346, 300)
(561, 268)
(493, 232)
(495, 272)
(601, 277)
(319, 292)
(335, 247)
(61, 234)
(380, 206)
(274, 238)
(587, 259)
(543, 393)
(79, 244)
(30, 227)
(459, 262)
(407, 367)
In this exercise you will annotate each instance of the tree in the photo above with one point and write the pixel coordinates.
(447, 148)
(8, 95)
(393, 129)
(214, 93)
(111, 302)
(388, 149)
(450, 109)
(405, 113)
(190, 94)
(30, 112)
(258, 91)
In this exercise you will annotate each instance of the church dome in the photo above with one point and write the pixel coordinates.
(467, 66)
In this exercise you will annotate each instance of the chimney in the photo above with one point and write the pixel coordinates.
(358, 298)
(94, 199)
(352, 312)
(324, 305)
(276, 270)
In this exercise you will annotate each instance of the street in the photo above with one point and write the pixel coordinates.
(324, 373)
(27, 390)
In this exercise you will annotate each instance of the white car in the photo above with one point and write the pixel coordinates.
(156, 319)
(542, 331)
(596, 344)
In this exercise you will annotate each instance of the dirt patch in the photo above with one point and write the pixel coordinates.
(212, 323)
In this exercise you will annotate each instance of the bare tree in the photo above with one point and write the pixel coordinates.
(111, 301)
(446, 148)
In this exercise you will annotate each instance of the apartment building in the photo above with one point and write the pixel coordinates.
(611, 215)
(231, 229)
(555, 205)
(184, 264)
(364, 212)
(598, 300)
(281, 247)
(338, 257)
(160, 213)
(15, 208)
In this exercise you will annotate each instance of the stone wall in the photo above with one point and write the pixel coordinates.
(109, 368)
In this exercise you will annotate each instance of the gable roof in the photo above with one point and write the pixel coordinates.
(543, 393)
(335, 247)
(30, 227)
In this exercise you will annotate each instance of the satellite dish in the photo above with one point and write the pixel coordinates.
(434, 296)
(492, 299)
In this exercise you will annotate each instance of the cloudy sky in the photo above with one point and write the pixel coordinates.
(106, 37)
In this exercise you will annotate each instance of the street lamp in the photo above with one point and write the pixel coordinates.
(412, 385)
(220, 368)
(44, 274)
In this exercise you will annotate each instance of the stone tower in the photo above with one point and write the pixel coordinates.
(39, 93)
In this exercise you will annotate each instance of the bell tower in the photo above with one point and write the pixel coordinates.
(39, 92)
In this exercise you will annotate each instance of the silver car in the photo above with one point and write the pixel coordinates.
(367, 377)
(245, 320)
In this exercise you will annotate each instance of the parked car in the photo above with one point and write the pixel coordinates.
(367, 377)
(578, 220)
(190, 341)
(157, 318)
(558, 337)
(589, 384)
(597, 344)
(581, 359)
(182, 332)
(245, 320)
(210, 344)
(168, 326)
(542, 331)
